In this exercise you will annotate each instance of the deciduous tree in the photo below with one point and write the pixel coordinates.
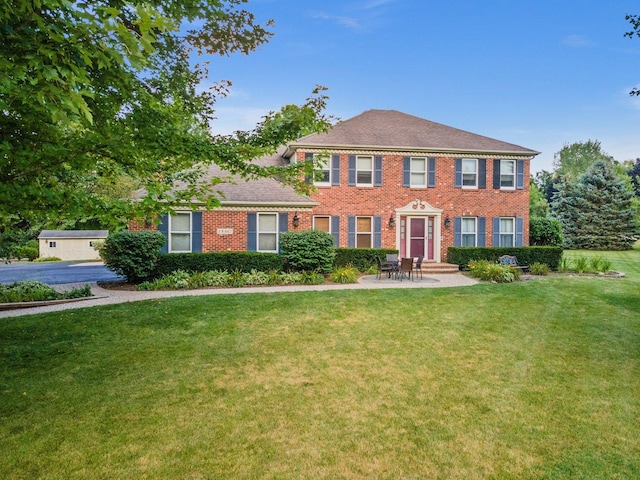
(93, 92)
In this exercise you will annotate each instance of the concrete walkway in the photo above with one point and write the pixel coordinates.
(109, 297)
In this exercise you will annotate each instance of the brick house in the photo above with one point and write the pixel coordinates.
(385, 179)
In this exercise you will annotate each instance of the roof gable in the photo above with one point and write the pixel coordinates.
(393, 130)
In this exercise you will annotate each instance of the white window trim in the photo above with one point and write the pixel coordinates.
(317, 159)
(170, 233)
(372, 170)
(276, 232)
(370, 232)
(512, 234)
(322, 216)
(475, 185)
(475, 230)
(514, 175)
(423, 172)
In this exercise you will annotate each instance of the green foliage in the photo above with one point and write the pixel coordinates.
(308, 250)
(545, 232)
(538, 268)
(29, 250)
(133, 255)
(48, 259)
(346, 274)
(538, 204)
(492, 271)
(97, 95)
(34, 291)
(360, 258)
(581, 265)
(230, 261)
(525, 255)
(573, 160)
(596, 212)
(181, 279)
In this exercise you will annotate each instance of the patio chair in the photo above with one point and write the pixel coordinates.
(417, 268)
(384, 267)
(406, 268)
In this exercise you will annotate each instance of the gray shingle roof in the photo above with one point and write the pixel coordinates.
(390, 129)
(74, 234)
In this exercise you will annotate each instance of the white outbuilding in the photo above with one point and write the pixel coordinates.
(70, 244)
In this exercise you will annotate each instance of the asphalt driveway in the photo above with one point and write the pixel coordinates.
(56, 272)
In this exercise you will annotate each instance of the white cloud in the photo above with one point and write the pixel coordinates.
(576, 41)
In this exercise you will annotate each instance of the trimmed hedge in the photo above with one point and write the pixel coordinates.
(361, 258)
(526, 255)
(229, 261)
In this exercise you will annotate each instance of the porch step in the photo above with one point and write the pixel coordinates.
(439, 268)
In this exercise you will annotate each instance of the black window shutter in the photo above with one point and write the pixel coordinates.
(519, 231)
(458, 172)
(406, 171)
(196, 232)
(377, 171)
(283, 222)
(431, 172)
(482, 231)
(495, 242)
(457, 231)
(482, 173)
(335, 167)
(352, 170)
(496, 173)
(335, 230)
(308, 157)
(377, 231)
(163, 227)
(351, 232)
(252, 232)
(520, 174)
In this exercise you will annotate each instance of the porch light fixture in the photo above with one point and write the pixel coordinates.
(296, 220)
(392, 221)
(447, 222)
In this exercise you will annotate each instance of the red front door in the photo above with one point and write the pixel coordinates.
(421, 237)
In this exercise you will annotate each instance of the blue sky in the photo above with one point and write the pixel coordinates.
(539, 74)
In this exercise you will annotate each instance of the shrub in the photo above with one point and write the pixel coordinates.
(48, 259)
(493, 272)
(308, 250)
(347, 274)
(599, 264)
(526, 255)
(360, 258)
(545, 232)
(581, 265)
(30, 253)
(538, 268)
(217, 261)
(34, 291)
(133, 255)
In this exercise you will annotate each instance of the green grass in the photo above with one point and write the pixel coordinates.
(530, 380)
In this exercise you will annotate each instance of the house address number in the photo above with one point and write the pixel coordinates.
(225, 231)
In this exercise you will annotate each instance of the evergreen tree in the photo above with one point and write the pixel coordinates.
(596, 211)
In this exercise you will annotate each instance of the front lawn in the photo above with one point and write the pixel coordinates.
(536, 379)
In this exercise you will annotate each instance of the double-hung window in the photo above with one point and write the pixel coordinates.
(322, 223)
(267, 232)
(364, 232)
(508, 174)
(322, 174)
(180, 232)
(507, 232)
(364, 171)
(469, 232)
(469, 173)
(418, 172)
